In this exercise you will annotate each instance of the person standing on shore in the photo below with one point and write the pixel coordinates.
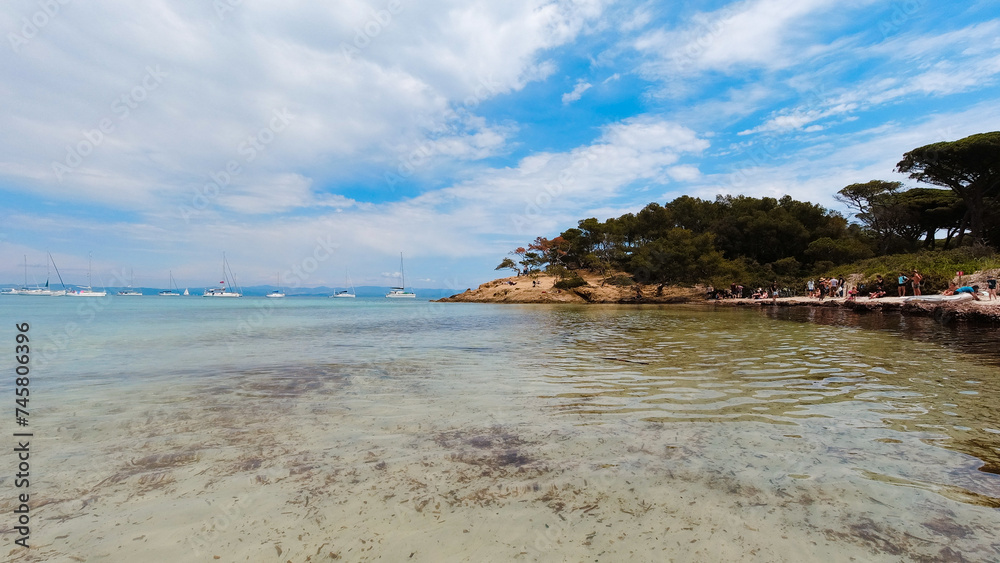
(991, 287)
(811, 286)
(834, 284)
(901, 285)
(915, 280)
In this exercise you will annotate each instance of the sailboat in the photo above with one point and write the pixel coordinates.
(37, 290)
(88, 291)
(129, 292)
(400, 292)
(172, 292)
(63, 291)
(345, 293)
(277, 292)
(223, 291)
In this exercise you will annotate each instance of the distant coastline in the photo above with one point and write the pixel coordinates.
(540, 290)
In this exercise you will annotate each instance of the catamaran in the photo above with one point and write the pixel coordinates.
(227, 273)
(277, 292)
(87, 291)
(400, 292)
(172, 292)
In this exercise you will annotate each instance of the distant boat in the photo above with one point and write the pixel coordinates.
(129, 292)
(63, 291)
(277, 292)
(89, 290)
(349, 294)
(400, 292)
(186, 291)
(37, 290)
(223, 291)
(172, 292)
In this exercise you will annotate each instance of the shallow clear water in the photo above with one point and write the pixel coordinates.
(251, 429)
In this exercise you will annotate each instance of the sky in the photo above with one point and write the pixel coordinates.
(318, 141)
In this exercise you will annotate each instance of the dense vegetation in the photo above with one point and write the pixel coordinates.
(757, 241)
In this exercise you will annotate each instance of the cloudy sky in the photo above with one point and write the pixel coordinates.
(328, 139)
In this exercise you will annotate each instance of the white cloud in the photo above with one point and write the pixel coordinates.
(770, 34)
(911, 70)
(578, 90)
(413, 78)
(814, 173)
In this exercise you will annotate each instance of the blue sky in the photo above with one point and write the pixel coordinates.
(325, 140)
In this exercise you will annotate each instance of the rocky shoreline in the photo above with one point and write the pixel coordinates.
(972, 311)
(541, 289)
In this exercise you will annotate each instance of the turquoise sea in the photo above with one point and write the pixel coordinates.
(315, 429)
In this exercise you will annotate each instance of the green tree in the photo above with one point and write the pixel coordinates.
(681, 256)
(933, 210)
(507, 263)
(838, 251)
(971, 168)
(880, 207)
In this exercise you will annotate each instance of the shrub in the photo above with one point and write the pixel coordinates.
(620, 280)
(570, 282)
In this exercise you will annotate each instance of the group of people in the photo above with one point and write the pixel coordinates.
(827, 287)
(836, 287)
(973, 290)
(914, 280)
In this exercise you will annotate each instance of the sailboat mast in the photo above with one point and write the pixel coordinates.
(25, 270)
(57, 271)
(90, 265)
(402, 275)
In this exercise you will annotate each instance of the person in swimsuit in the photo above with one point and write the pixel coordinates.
(915, 279)
(991, 287)
(902, 284)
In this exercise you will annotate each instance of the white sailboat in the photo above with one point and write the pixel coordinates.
(89, 290)
(37, 290)
(223, 291)
(344, 293)
(400, 292)
(277, 292)
(129, 292)
(186, 292)
(172, 292)
(63, 291)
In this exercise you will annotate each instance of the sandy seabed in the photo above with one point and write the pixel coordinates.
(312, 465)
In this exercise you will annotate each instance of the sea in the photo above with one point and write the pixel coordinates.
(318, 429)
